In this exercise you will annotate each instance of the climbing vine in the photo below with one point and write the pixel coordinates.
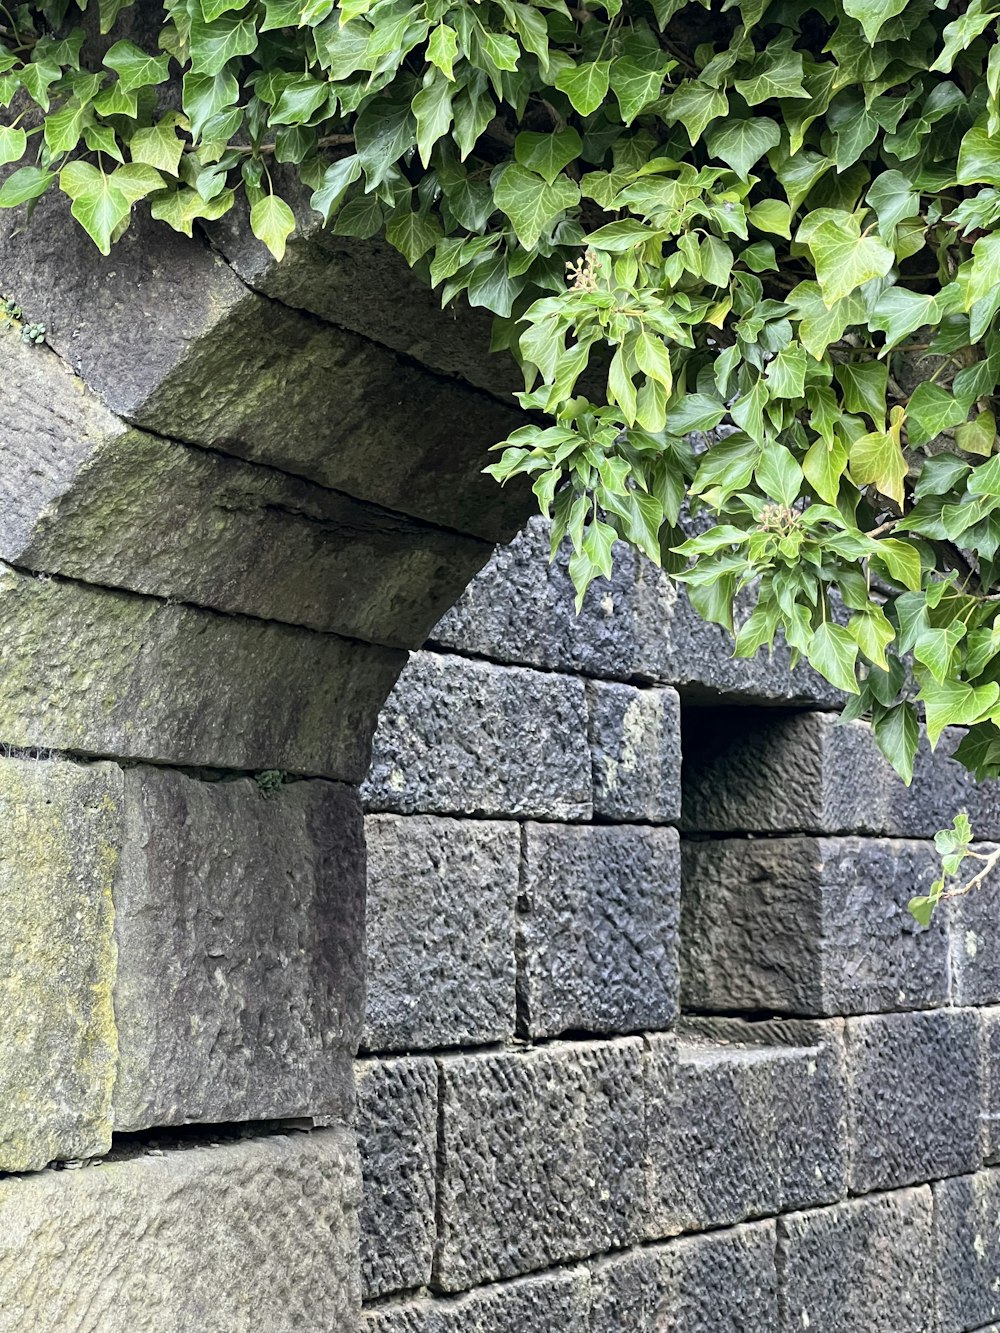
(747, 254)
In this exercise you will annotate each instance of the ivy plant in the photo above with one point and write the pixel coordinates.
(747, 253)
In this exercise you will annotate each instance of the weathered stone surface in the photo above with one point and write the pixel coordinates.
(990, 1021)
(240, 931)
(635, 750)
(141, 678)
(597, 930)
(541, 1159)
(397, 1142)
(854, 1266)
(60, 836)
(743, 1120)
(462, 737)
(809, 926)
(557, 1301)
(441, 900)
(967, 1251)
(915, 1097)
(974, 928)
(255, 1235)
(776, 771)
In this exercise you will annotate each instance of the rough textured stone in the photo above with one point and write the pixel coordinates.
(967, 1251)
(635, 751)
(857, 1266)
(541, 1159)
(255, 1235)
(743, 1120)
(471, 738)
(974, 928)
(397, 1141)
(240, 932)
(915, 1097)
(597, 930)
(809, 926)
(60, 835)
(141, 678)
(556, 1302)
(441, 899)
(990, 1021)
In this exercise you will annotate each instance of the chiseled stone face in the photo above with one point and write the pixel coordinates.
(967, 1250)
(556, 1302)
(635, 750)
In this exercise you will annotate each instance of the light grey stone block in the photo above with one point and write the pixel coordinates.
(743, 1120)
(397, 1142)
(441, 900)
(464, 737)
(557, 1301)
(597, 931)
(250, 1236)
(541, 1159)
(915, 1097)
(852, 1266)
(967, 1251)
(635, 749)
(809, 926)
(60, 838)
(240, 933)
(974, 928)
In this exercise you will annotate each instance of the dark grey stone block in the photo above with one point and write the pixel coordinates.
(553, 1303)
(990, 1023)
(915, 1096)
(541, 1159)
(635, 749)
(743, 1120)
(597, 930)
(974, 927)
(809, 926)
(441, 899)
(464, 737)
(967, 1251)
(857, 1266)
(397, 1143)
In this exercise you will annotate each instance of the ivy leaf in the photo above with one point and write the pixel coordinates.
(954, 703)
(877, 460)
(931, 410)
(695, 105)
(13, 144)
(833, 652)
(586, 86)
(412, 235)
(845, 259)
(897, 735)
(272, 221)
(531, 202)
(213, 45)
(158, 146)
(183, 207)
(636, 83)
(98, 206)
(135, 68)
(337, 179)
(25, 184)
(979, 158)
(873, 14)
(442, 49)
(433, 113)
(823, 467)
(742, 143)
(864, 385)
(547, 154)
(772, 75)
(491, 285)
(205, 95)
(383, 131)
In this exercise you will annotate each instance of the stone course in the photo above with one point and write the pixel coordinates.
(967, 1251)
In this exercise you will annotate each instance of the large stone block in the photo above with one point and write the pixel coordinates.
(240, 933)
(853, 1266)
(809, 926)
(397, 1141)
(597, 930)
(556, 1302)
(541, 1159)
(441, 900)
(743, 1120)
(967, 1251)
(635, 749)
(974, 928)
(250, 1236)
(990, 1020)
(103, 672)
(464, 737)
(60, 837)
(915, 1097)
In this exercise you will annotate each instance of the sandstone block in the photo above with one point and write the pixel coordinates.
(60, 838)
(397, 1142)
(541, 1159)
(809, 926)
(554, 1301)
(743, 1120)
(974, 928)
(915, 1097)
(441, 900)
(597, 931)
(635, 750)
(852, 1266)
(463, 737)
(240, 934)
(253, 1235)
(967, 1251)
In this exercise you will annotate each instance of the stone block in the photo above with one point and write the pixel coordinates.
(915, 1097)
(990, 1020)
(60, 837)
(974, 929)
(807, 925)
(555, 1302)
(397, 1142)
(464, 737)
(85, 669)
(441, 900)
(635, 750)
(743, 1120)
(540, 1161)
(853, 1266)
(240, 934)
(597, 930)
(255, 1234)
(967, 1251)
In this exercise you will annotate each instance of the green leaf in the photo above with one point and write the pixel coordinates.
(979, 158)
(531, 202)
(833, 652)
(864, 385)
(824, 466)
(547, 154)
(877, 460)
(337, 179)
(845, 259)
(695, 105)
(412, 235)
(586, 86)
(742, 143)
(897, 735)
(442, 49)
(98, 206)
(873, 14)
(954, 703)
(272, 221)
(772, 75)
(901, 560)
(205, 95)
(158, 146)
(13, 144)
(636, 83)
(432, 110)
(183, 207)
(23, 185)
(931, 410)
(383, 132)
(135, 68)
(213, 45)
